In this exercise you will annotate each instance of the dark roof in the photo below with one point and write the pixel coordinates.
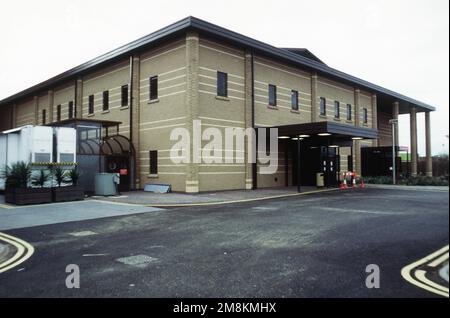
(303, 52)
(203, 27)
(77, 121)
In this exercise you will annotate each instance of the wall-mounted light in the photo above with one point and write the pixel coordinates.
(324, 134)
(284, 137)
(304, 136)
(334, 146)
(357, 138)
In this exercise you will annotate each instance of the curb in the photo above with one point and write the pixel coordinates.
(175, 205)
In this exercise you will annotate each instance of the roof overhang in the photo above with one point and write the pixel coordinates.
(336, 131)
(80, 121)
(225, 35)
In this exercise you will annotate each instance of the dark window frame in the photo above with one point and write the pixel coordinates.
(58, 112)
(294, 100)
(349, 112)
(44, 116)
(91, 104)
(105, 100)
(323, 106)
(124, 95)
(337, 109)
(222, 84)
(365, 116)
(70, 110)
(153, 161)
(153, 87)
(272, 89)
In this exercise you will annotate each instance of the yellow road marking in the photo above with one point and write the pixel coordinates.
(439, 260)
(239, 201)
(421, 281)
(4, 206)
(420, 274)
(24, 252)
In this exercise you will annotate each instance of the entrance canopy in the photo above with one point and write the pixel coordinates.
(331, 130)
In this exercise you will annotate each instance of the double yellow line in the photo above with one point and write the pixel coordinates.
(415, 273)
(23, 252)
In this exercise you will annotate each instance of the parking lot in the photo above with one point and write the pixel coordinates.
(309, 246)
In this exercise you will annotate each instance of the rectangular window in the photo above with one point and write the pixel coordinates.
(105, 100)
(153, 161)
(294, 100)
(272, 95)
(44, 115)
(365, 116)
(337, 107)
(222, 84)
(58, 113)
(91, 104)
(153, 87)
(323, 106)
(70, 110)
(124, 95)
(349, 112)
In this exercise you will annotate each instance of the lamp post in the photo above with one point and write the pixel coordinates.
(393, 122)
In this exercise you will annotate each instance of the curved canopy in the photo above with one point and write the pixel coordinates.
(116, 145)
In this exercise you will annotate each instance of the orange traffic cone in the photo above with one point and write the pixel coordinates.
(354, 181)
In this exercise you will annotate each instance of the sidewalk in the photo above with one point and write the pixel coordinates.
(205, 198)
(406, 187)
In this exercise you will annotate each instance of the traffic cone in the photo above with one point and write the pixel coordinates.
(354, 180)
(345, 184)
(361, 183)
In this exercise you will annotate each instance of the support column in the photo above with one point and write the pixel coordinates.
(357, 143)
(429, 161)
(413, 138)
(248, 116)
(135, 104)
(79, 98)
(36, 110)
(395, 112)
(192, 107)
(50, 106)
(374, 118)
(314, 105)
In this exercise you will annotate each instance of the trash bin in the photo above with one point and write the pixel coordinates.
(320, 179)
(105, 184)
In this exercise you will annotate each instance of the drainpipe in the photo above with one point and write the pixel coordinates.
(255, 165)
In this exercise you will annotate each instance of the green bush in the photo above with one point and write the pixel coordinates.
(418, 180)
(17, 175)
(40, 178)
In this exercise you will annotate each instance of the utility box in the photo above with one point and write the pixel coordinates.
(105, 184)
(320, 180)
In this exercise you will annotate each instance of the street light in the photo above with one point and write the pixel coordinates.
(393, 122)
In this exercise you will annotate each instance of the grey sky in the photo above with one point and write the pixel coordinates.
(402, 45)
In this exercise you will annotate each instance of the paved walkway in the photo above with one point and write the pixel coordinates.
(173, 198)
(34, 215)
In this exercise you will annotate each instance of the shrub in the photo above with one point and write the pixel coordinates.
(40, 178)
(17, 175)
(60, 176)
(417, 180)
(73, 176)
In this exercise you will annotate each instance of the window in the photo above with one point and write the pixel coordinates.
(44, 115)
(365, 116)
(323, 106)
(91, 104)
(105, 100)
(70, 110)
(124, 91)
(349, 112)
(294, 100)
(337, 109)
(272, 95)
(153, 87)
(222, 84)
(153, 161)
(58, 113)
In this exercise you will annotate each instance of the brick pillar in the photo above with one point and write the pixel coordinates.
(79, 98)
(357, 143)
(135, 104)
(395, 112)
(192, 106)
(374, 118)
(36, 110)
(429, 162)
(413, 138)
(314, 105)
(50, 106)
(248, 115)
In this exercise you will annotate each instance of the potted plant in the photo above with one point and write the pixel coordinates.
(17, 180)
(67, 193)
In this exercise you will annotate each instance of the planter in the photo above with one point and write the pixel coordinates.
(21, 196)
(70, 193)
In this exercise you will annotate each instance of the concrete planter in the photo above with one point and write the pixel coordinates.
(21, 196)
(70, 193)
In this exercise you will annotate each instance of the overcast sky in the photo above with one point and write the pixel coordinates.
(402, 45)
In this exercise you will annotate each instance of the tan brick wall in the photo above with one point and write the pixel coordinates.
(62, 96)
(25, 112)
